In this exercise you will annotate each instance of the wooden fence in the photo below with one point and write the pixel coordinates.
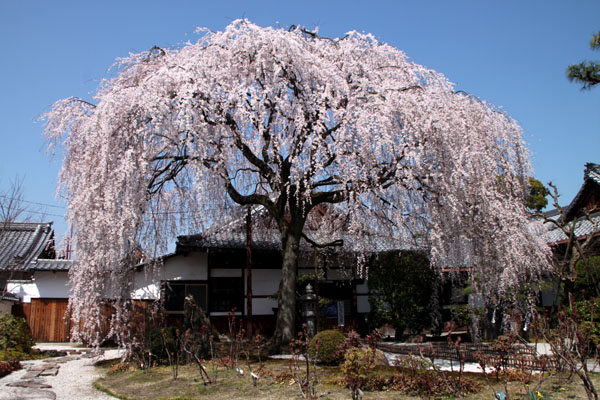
(521, 356)
(48, 320)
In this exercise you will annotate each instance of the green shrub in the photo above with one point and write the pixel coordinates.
(328, 346)
(15, 338)
(588, 316)
(588, 275)
(156, 343)
(358, 367)
(6, 367)
(402, 283)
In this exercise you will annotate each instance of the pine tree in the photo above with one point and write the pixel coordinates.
(588, 72)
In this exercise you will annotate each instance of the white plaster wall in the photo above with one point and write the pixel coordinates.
(52, 285)
(45, 284)
(262, 306)
(265, 282)
(23, 290)
(362, 303)
(192, 267)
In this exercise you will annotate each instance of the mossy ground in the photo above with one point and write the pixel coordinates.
(130, 383)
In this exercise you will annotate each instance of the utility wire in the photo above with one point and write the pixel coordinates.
(42, 213)
(31, 202)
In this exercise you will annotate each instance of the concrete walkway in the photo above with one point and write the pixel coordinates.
(58, 378)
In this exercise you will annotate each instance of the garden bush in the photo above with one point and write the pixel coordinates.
(15, 338)
(156, 343)
(587, 314)
(327, 346)
(358, 367)
(6, 367)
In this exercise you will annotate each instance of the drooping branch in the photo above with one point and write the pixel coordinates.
(264, 168)
(249, 199)
(335, 243)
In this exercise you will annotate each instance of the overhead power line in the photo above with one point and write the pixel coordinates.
(43, 213)
(31, 202)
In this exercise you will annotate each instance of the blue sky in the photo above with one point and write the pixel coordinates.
(511, 53)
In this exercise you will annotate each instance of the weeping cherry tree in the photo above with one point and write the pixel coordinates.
(180, 139)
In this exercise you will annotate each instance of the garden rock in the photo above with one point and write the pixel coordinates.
(26, 394)
(31, 383)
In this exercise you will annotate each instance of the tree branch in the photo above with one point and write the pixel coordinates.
(335, 243)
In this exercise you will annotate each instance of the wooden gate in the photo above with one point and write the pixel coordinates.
(47, 320)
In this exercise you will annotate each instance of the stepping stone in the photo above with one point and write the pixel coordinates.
(31, 384)
(26, 394)
(61, 360)
(49, 365)
(91, 354)
(35, 367)
(54, 353)
(31, 374)
(49, 372)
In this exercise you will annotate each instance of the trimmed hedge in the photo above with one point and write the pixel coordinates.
(15, 342)
(15, 338)
(328, 346)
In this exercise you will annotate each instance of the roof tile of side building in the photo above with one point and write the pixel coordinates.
(266, 236)
(583, 225)
(592, 171)
(51, 265)
(23, 242)
(591, 178)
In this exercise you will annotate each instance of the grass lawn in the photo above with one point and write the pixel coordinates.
(127, 382)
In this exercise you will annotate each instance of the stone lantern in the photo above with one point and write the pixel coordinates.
(309, 310)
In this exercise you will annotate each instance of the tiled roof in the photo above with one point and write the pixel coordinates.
(22, 242)
(591, 177)
(232, 235)
(592, 171)
(51, 265)
(270, 240)
(9, 297)
(583, 227)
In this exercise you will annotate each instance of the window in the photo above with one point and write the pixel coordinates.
(176, 292)
(226, 294)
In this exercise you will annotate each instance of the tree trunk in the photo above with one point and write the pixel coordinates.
(286, 316)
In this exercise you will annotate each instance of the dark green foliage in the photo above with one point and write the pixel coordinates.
(587, 313)
(536, 199)
(588, 276)
(358, 368)
(328, 346)
(6, 367)
(159, 345)
(197, 329)
(402, 283)
(588, 72)
(15, 338)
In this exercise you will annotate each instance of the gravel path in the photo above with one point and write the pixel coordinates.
(59, 378)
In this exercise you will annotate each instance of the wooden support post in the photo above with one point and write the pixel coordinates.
(249, 273)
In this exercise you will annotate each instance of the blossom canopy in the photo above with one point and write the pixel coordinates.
(178, 138)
